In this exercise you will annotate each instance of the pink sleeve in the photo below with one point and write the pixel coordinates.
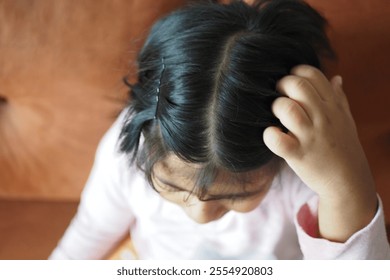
(368, 243)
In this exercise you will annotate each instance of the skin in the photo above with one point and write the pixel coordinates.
(173, 178)
(322, 147)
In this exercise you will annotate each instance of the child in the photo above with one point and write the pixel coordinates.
(234, 146)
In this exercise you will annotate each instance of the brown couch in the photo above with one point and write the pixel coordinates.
(61, 64)
(61, 69)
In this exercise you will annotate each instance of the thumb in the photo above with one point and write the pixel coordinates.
(282, 144)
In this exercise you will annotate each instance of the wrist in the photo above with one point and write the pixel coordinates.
(339, 217)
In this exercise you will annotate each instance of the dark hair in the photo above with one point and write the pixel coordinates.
(206, 82)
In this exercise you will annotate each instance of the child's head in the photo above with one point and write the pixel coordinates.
(206, 82)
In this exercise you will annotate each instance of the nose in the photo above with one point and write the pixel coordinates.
(205, 211)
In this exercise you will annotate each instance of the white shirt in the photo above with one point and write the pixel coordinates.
(118, 199)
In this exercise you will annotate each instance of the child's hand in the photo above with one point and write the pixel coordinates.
(322, 146)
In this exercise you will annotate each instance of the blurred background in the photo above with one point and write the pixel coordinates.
(61, 69)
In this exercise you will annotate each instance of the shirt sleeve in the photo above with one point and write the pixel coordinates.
(368, 243)
(104, 215)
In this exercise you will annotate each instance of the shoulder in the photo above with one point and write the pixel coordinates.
(109, 144)
(111, 165)
(112, 175)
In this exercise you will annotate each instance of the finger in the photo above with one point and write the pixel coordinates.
(291, 115)
(337, 84)
(301, 90)
(282, 144)
(317, 79)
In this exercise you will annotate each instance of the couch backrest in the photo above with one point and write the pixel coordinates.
(61, 69)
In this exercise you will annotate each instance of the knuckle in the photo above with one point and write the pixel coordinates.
(306, 70)
(311, 71)
(281, 147)
(290, 108)
(290, 111)
(300, 83)
(290, 84)
(294, 112)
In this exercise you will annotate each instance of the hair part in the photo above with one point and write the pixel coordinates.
(221, 65)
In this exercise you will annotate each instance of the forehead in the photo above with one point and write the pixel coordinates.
(172, 165)
(181, 172)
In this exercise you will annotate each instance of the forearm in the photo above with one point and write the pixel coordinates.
(342, 216)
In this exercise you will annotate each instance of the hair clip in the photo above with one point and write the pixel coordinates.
(158, 87)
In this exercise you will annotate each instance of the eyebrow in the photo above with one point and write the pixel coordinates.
(213, 197)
